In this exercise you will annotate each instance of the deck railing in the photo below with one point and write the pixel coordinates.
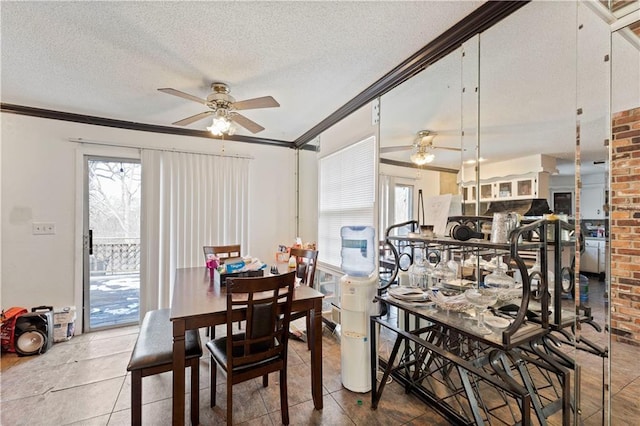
(115, 257)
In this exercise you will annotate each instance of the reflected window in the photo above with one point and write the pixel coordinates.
(403, 207)
(396, 204)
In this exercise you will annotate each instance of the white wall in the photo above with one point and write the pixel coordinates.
(308, 196)
(39, 180)
(354, 128)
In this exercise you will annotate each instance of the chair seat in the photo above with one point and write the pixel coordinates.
(154, 346)
(218, 350)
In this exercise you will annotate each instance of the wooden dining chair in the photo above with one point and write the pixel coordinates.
(306, 260)
(262, 348)
(222, 252)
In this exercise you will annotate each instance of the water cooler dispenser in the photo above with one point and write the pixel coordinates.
(357, 291)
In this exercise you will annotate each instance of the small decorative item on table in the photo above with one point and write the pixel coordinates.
(212, 264)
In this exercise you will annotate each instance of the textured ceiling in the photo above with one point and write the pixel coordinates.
(107, 59)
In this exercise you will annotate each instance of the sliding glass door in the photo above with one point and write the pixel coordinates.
(111, 242)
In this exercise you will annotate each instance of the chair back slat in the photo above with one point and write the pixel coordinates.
(266, 300)
(222, 252)
(306, 260)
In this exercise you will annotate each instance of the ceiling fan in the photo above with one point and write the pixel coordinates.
(224, 109)
(423, 145)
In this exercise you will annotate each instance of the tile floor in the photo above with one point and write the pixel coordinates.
(625, 376)
(84, 382)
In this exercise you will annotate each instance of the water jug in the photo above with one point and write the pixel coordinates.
(358, 250)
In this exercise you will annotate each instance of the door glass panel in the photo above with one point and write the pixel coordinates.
(112, 255)
(403, 203)
(525, 188)
(485, 191)
(504, 190)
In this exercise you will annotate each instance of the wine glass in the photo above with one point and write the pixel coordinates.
(443, 273)
(481, 299)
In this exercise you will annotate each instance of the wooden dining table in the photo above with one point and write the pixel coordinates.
(199, 301)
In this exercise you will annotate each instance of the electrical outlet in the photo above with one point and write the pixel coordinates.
(43, 228)
(50, 228)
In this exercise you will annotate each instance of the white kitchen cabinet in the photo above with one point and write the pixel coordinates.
(509, 189)
(469, 194)
(592, 202)
(523, 187)
(593, 259)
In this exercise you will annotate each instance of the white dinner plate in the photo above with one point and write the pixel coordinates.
(409, 294)
(497, 322)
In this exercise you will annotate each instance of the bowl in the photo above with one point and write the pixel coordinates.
(497, 323)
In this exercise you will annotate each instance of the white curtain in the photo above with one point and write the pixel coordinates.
(188, 201)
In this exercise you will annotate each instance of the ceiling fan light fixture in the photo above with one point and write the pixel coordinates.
(221, 124)
(223, 107)
(421, 158)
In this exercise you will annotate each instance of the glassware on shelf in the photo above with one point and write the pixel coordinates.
(471, 261)
(481, 299)
(443, 272)
(474, 261)
(455, 303)
(499, 279)
(420, 272)
(454, 266)
(503, 285)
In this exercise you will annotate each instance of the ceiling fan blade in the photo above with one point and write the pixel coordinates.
(255, 103)
(193, 118)
(250, 125)
(395, 148)
(447, 148)
(183, 95)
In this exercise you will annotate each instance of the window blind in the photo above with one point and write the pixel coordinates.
(347, 194)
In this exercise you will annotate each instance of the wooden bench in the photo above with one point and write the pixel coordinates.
(153, 354)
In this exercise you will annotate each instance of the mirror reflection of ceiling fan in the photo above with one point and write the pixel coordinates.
(224, 109)
(423, 146)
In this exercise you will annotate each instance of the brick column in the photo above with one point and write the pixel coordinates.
(625, 226)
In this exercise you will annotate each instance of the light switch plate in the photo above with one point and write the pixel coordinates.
(43, 228)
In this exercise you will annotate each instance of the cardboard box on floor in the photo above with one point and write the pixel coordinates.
(64, 321)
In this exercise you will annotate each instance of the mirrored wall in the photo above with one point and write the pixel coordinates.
(521, 113)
